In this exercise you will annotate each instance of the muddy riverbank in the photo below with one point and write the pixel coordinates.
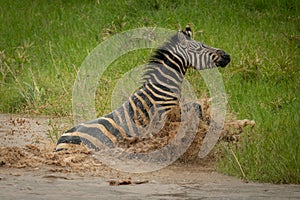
(29, 169)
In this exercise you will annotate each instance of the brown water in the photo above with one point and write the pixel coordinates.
(29, 169)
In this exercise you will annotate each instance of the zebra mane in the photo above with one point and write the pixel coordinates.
(155, 64)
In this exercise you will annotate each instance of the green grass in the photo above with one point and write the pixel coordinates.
(271, 152)
(43, 43)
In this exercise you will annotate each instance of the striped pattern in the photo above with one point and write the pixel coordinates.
(158, 95)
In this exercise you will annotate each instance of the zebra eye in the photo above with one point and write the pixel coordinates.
(194, 49)
(199, 49)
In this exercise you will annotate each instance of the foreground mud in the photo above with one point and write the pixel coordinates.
(30, 169)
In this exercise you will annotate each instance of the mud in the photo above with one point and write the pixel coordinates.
(30, 169)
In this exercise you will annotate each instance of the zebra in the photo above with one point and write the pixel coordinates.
(158, 95)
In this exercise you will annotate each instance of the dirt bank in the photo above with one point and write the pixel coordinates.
(30, 169)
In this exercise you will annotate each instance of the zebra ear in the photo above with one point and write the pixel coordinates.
(188, 31)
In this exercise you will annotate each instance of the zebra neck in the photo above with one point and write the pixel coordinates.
(161, 89)
(165, 75)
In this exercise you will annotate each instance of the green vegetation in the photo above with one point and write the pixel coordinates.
(43, 43)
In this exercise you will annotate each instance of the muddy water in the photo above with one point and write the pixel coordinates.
(29, 171)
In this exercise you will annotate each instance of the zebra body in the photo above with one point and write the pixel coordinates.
(153, 101)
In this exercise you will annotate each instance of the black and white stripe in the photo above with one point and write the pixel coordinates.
(158, 95)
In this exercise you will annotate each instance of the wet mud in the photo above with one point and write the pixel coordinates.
(30, 169)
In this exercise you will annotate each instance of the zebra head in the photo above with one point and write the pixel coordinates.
(199, 55)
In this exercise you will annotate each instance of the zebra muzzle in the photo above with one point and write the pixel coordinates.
(224, 58)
